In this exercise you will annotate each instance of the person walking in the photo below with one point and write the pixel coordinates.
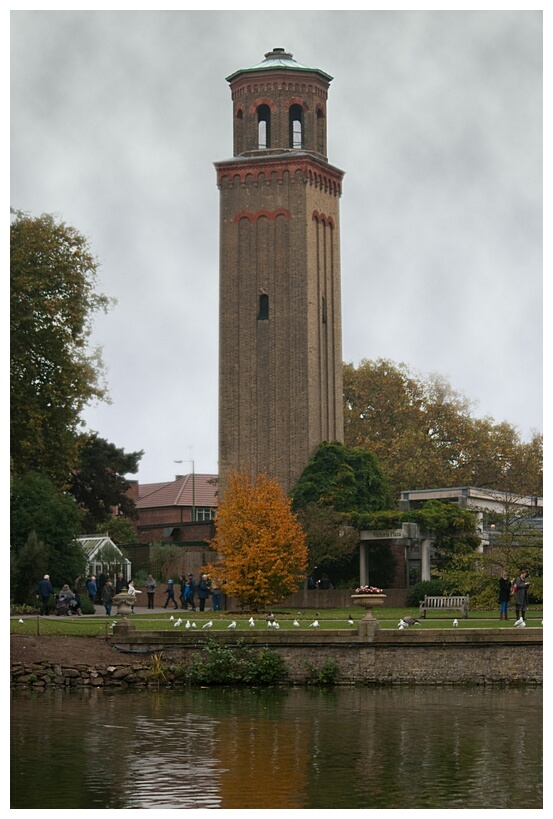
(150, 587)
(520, 590)
(107, 596)
(504, 595)
(77, 590)
(191, 585)
(182, 595)
(216, 596)
(92, 588)
(44, 591)
(132, 592)
(120, 583)
(170, 592)
(203, 591)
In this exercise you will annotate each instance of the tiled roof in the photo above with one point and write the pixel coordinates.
(185, 490)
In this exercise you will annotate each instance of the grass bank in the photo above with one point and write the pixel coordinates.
(100, 625)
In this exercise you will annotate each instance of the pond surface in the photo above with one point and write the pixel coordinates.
(277, 748)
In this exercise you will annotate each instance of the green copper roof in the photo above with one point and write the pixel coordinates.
(278, 58)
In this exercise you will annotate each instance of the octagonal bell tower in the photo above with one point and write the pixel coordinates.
(280, 345)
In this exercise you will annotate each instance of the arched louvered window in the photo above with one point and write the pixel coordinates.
(263, 127)
(296, 126)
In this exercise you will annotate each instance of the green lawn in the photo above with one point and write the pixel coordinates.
(100, 625)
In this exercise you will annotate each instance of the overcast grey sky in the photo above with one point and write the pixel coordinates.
(436, 119)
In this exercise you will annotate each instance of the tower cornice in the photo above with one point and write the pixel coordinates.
(313, 171)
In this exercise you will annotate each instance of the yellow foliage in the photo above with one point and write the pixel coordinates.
(262, 544)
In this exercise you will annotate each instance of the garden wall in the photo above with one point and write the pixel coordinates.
(426, 657)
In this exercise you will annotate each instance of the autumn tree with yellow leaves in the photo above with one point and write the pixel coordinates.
(262, 545)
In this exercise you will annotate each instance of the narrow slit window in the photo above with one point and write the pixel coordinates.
(323, 310)
(263, 314)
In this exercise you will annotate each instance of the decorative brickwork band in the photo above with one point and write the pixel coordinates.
(271, 215)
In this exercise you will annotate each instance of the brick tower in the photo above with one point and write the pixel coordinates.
(280, 345)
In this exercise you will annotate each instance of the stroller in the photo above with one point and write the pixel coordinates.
(66, 605)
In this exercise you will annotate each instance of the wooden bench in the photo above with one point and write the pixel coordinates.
(458, 602)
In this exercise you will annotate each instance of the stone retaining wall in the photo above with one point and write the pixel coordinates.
(429, 657)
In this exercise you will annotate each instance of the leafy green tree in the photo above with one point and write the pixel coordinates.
(336, 482)
(343, 478)
(27, 568)
(261, 543)
(38, 506)
(98, 483)
(424, 434)
(120, 531)
(54, 373)
(516, 542)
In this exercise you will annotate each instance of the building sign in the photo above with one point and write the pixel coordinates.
(382, 534)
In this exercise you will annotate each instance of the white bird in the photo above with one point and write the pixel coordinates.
(113, 624)
(205, 625)
(314, 624)
(193, 625)
(403, 624)
(251, 622)
(350, 620)
(521, 625)
(455, 622)
(296, 623)
(270, 624)
(20, 620)
(519, 621)
(177, 623)
(276, 625)
(401, 627)
(232, 625)
(187, 624)
(171, 617)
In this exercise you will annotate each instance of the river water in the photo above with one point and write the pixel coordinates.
(279, 748)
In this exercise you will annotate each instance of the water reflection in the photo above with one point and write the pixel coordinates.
(278, 748)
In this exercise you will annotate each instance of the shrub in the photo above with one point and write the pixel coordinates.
(326, 675)
(227, 665)
(429, 587)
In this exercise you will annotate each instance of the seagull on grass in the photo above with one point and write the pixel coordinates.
(251, 622)
(232, 625)
(193, 625)
(350, 620)
(20, 620)
(187, 624)
(314, 624)
(177, 623)
(456, 622)
(296, 623)
(519, 621)
(171, 617)
(522, 624)
(205, 625)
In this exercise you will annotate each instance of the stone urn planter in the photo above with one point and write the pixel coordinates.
(368, 625)
(124, 602)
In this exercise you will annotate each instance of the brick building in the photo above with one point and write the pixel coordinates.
(280, 347)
